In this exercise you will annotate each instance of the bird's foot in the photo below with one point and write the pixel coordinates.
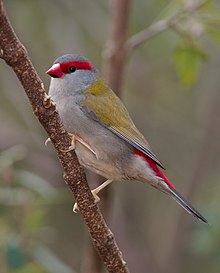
(73, 144)
(94, 193)
(97, 199)
(71, 147)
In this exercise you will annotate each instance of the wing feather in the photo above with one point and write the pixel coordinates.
(102, 105)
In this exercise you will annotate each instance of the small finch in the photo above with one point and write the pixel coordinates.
(104, 137)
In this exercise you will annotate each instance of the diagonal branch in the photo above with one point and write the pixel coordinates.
(15, 55)
(160, 26)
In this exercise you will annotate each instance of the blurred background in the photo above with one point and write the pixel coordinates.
(171, 87)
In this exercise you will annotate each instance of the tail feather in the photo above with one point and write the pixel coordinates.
(183, 203)
(166, 188)
(164, 185)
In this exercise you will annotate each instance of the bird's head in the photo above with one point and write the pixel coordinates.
(72, 74)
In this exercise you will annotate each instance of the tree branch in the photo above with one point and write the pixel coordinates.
(114, 53)
(160, 26)
(15, 55)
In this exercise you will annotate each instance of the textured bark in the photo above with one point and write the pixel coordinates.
(15, 55)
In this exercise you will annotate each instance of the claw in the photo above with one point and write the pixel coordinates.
(75, 208)
(94, 193)
(47, 141)
(73, 144)
(97, 199)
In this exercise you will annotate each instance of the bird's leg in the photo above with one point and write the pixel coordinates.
(100, 187)
(75, 138)
(95, 193)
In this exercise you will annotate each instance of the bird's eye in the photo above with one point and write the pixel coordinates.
(72, 69)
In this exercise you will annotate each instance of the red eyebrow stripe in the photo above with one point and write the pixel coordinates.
(78, 65)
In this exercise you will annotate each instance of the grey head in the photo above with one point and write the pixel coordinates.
(70, 75)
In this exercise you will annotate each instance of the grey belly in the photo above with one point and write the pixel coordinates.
(112, 153)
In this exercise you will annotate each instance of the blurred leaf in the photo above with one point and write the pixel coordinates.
(36, 184)
(13, 252)
(34, 219)
(50, 261)
(211, 14)
(14, 196)
(31, 268)
(214, 33)
(12, 155)
(187, 58)
(206, 5)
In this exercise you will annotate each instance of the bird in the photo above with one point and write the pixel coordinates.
(103, 135)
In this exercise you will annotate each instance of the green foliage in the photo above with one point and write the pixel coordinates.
(189, 53)
(188, 58)
(23, 210)
(211, 20)
(13, 252)
(31, 268)
(214, 33)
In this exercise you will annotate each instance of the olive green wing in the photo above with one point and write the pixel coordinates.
(102, 105)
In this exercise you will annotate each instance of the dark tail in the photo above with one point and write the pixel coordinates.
(168, 188)
(182, 201)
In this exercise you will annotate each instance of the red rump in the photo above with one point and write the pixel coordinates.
(78, 65)
(154, 167)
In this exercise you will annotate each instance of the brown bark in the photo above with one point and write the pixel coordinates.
(15, 55)
(91, 261)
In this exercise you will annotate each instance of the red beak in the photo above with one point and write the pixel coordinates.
(55, 71)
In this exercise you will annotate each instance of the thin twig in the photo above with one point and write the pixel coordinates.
(15, 55)
(160, 26)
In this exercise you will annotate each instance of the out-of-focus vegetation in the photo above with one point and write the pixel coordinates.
(171, 89)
